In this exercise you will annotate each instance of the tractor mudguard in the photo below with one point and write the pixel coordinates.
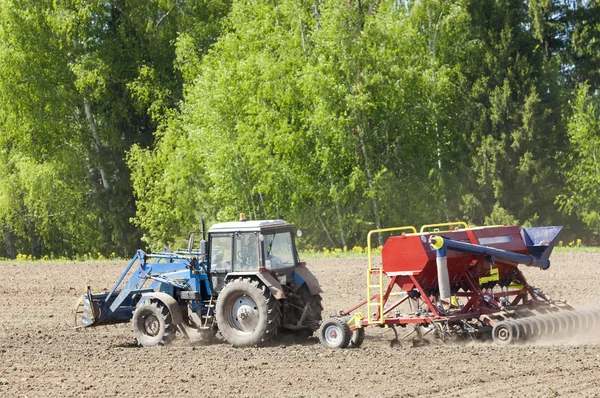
(266, 278)
(169, 302)
(308, 278)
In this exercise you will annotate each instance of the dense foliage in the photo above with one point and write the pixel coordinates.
(126, 119)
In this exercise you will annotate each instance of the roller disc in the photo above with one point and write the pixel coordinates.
(539, 327)
(529, 328)
(586, 320)
(521, 329)
(504, 333)
(556, 325)
(549, 325)
(578, 321)
(572, 323)
(594, 318)
(564, 324)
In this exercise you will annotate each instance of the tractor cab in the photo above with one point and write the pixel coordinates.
(251, 246)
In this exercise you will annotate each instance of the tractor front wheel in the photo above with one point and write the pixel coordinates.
(247, 313)
(152, 324)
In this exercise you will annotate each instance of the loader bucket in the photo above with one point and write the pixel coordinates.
(94, 309)
(540, 240)
(85, 310)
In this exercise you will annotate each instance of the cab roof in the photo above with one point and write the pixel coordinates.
(248, 226)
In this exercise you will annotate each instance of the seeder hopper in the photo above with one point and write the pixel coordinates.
(462, 282)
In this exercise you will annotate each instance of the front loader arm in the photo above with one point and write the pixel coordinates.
(132, 283)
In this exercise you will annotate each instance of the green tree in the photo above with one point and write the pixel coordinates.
(581, 195)
(100, 80)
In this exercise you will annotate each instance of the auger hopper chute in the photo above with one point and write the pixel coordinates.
(457, 283)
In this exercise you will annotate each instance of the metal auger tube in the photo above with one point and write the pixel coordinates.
(559, 325)
(439, 243)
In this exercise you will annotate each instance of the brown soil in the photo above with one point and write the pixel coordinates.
(41, 355)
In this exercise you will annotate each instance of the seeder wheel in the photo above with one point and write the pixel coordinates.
(357, 338)
(335, 333)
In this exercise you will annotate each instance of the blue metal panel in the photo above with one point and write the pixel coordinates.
(298, 280)
(540, 240)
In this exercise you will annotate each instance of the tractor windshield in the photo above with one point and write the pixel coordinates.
(279, 250)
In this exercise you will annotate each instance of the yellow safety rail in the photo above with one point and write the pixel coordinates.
(445, 224)
(379, 286)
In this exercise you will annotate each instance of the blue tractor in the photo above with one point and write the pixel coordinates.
(244, 280)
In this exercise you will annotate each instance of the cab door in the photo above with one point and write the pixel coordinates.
(221, 259)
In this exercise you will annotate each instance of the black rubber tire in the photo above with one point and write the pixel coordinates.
(260, 310)
(151, 324)
(335, 333)
(357, 338)
(316, 307)
(504, 333)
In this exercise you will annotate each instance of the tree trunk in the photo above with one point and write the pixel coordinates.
(371, 184)
(326, 231)
(36, 245)
(97, 144)
(339, 217)
(9, 242)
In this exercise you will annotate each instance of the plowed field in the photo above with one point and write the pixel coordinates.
(42, 356)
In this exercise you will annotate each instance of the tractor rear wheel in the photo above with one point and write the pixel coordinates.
(335, 333)
(152, 324)
(247, 314)
(316, 309)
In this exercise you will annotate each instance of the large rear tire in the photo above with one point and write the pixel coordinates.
(316, 309)
(247, 314)
(152, 324)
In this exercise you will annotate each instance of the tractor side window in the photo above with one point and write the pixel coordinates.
(246, 251)
(278, 249)
(220, 253)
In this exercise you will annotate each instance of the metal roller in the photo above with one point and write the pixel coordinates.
(539, 327)
(529, 328)
(556, 324)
